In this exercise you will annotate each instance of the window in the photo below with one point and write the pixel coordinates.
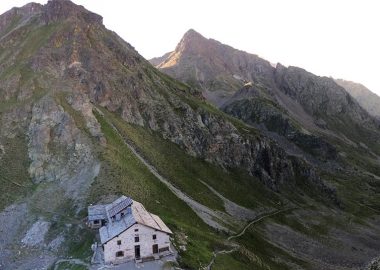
(122, 214)
(119, 242)
(163, 249)
(154, 237)
(137, 239)
(120, 254)
(136, 230)
(96, 221)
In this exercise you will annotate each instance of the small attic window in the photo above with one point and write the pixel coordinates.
(136, 230)
(119, 242)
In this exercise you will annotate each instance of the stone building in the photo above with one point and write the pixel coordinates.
(129, 232)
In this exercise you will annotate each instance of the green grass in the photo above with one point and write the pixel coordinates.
(15, 181)
(79, 245)
(185, 171)
(15, 20)
(70, 266)
(360, 194)
(232, 261)
(266, 254)
(123, 173)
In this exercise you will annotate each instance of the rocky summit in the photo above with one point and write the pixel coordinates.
(282, 174)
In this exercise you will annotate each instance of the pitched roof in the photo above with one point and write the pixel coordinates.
(118, 205)
(138, 215)
(96, 212)
(142, 216)
(161, 224)
(113, 229)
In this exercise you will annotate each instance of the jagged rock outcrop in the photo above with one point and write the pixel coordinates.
(57, 149)
(84, 65)
(17, 15)
(56, 10)
(238, 80)
(140, 96)
(319, 96)
(259, 111)
(217, 69)
(66, 79)
(367, 99)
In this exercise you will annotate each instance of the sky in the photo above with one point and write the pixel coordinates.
(337, 38)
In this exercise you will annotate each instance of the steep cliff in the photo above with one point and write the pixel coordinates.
(74, 96)
(367, 99)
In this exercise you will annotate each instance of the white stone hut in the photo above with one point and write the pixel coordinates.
(131, 232)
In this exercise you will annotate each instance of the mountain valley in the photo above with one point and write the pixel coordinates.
(251, 165)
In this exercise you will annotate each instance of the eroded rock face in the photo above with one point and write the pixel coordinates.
(56, 10)
(21, 14)
(140, 96)
(110, 73)
(267, 115)
(367, 99)
(216, 69)
(316, 94)
(57, 150)
(81, 103)
(36, 234)
(374, 265)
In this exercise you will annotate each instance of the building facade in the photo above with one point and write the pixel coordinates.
(130, 232)
(139, 242)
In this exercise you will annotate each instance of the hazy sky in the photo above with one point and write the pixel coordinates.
(338, 38)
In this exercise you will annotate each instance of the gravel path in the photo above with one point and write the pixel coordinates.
(236, 246)
(209, 216)
(258, 219)
(232, 208)
(213, 218)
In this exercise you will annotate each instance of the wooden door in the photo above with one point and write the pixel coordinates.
(155, 249)
(137, 252)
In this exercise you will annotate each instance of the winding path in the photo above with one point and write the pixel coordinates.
(213, 218)
(236, 246)
(209, 216)
(258, 219)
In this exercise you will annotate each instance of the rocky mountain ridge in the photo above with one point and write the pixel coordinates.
(317, 104)
(73, 92)
(367, 99)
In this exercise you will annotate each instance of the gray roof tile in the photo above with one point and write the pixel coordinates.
(138, 215)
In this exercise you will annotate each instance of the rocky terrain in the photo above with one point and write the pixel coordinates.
(367, 99)
(308, 116)
(85, 118)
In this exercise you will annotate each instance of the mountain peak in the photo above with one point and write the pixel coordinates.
(56, 10)
(191, 33)
(192, 40)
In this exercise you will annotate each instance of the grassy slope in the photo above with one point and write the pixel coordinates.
(15, 181)
(14, 177)
(123, 173)
(186, 171)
